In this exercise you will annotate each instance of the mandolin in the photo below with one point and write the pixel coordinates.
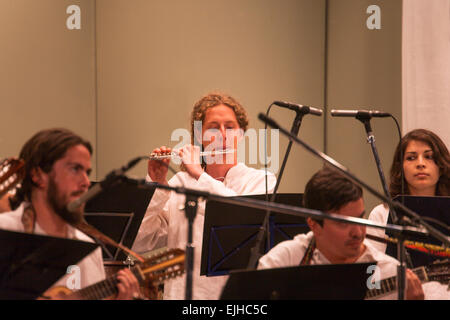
(11, 173)
(437, 271)
(166, 264)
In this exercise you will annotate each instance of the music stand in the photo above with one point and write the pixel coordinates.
(118, 213)
(430, 209)
(311, 282)
(30, 263)
(230, 232)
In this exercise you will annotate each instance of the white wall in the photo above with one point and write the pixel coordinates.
(426, 66)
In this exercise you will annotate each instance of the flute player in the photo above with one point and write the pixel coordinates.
(165, 222)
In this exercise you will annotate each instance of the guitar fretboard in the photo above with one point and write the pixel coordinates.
(99, 290)
(390, 284)
(103, 289)
(164, 265)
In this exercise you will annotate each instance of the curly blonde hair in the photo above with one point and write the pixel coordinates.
(215, 99)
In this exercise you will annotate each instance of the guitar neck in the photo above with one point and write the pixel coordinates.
(103, 289)
(390, 284)
(163, 265)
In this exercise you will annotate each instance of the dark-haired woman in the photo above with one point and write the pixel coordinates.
(426, 172)
(425, 161)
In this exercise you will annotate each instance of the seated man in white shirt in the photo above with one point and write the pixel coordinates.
(335, 242)
(57, 167)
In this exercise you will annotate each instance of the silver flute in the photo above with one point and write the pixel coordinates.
(172, 154)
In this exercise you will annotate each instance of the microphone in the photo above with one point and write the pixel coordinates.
(109, 181)
(299, 108)
(360, 114)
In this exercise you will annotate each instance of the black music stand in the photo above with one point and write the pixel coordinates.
(230, 232)
(435, 211)
(30, 263)
(118, 212)
(311, 282)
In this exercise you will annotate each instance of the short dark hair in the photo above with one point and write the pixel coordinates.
(329, 190)
(41, 151)
(440, 155)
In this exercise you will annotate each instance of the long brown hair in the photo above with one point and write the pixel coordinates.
(41, 151)
(440, 156)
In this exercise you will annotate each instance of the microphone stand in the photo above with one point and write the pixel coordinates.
(403, 255)
(394, 204)
(190, 208)
(257, 250)
(278, 207)
(365, 119)
(191, 204)
(112, 179)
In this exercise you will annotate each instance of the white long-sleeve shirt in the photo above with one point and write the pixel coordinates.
(380, 215)
(165, 223)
